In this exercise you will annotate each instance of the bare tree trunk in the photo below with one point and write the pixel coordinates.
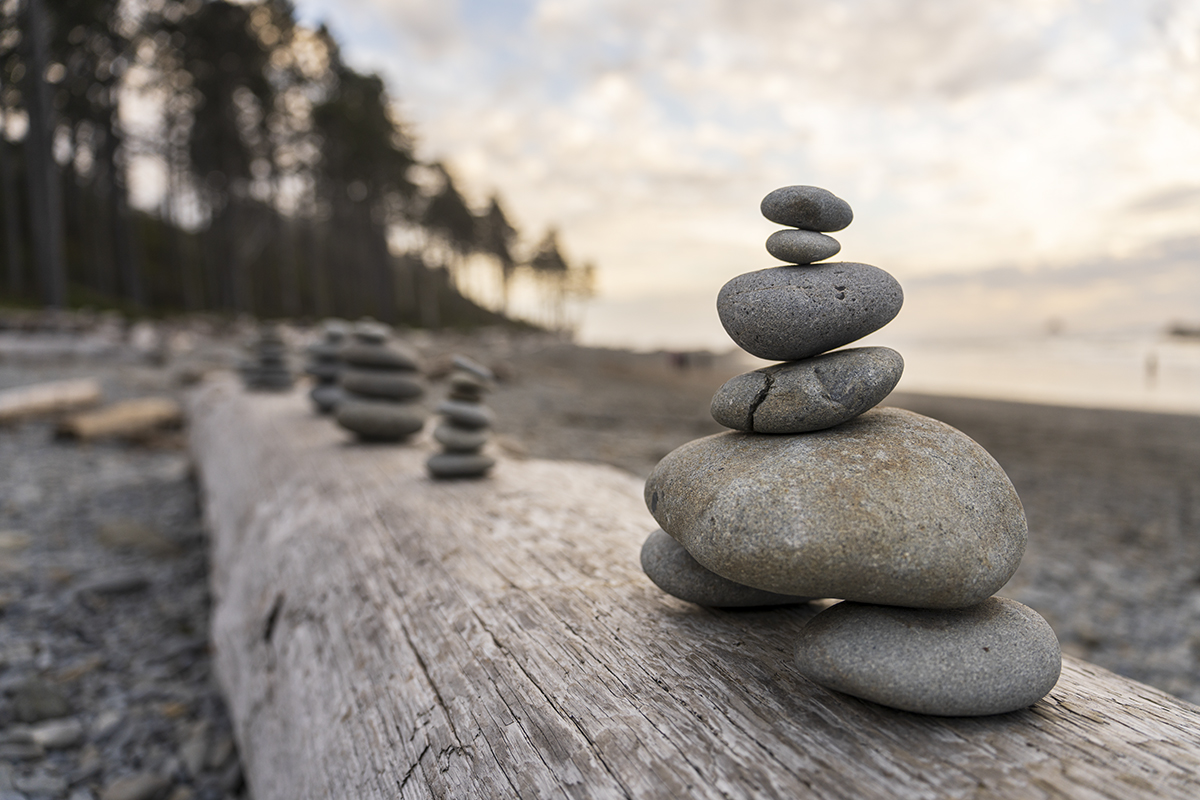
(12, 223)
(45, 202)
(318, 239)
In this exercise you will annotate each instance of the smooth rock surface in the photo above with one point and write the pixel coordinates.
(802, 247)
(467, 415)
(808, 395)
(325, 397)
(459, 439)
(807, 207)
(377, 420)
(459, 465)
(392, 384)
(890, 507)
(790, 313)
(379, 355)
(673, 570)
(990, 658)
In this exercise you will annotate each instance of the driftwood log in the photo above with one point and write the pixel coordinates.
(136, 418)
(380, 635)
(52, 397)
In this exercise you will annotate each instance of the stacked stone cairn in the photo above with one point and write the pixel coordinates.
(325, 365)
(267, 369)
(381, 387)
(816, 494)
(464, 431)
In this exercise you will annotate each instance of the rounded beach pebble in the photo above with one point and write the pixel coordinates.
(808, 395)
(393, 384)
(785, 314)
(890, 507)
(459, 439)
(459, 465)
(808, 208)
(678, 574)
(379, 420)
(379, 355)
(802, 247)
(990, 658)
(466, 415)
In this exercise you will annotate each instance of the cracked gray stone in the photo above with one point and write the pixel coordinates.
(808, 395)
(807, 207)
(673, 570)
(790, 313)
(802, 247)
(991, 658)
(890, 507)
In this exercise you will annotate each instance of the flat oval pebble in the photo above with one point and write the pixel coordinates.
(392, 384)
(807, 207)
(467, 415)
(379, 420)
(325, 397)
(452, 437)
(990, 658)
(459, 465)
(802, 247)
(808, 395)
(678, 574)
(890, 507)
(789, 313)
(378, 355)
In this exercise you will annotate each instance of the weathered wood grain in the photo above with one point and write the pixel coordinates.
(135, 418)
(379, 635)
(47, 398)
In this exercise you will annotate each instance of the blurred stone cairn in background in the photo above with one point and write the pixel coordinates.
(267, 368)
(464, 431)
(816, 494)
(324, 365)
(381, 385)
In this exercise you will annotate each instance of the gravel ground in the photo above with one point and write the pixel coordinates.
(106, 688)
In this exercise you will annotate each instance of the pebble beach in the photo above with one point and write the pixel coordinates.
(106, 688)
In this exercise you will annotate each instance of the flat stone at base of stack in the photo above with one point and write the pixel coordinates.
(990, 658)
(674, 571)
(464, 431)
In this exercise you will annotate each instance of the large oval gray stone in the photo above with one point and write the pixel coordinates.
(382, 355)
(678, 574)
(808, 395)
(890, 507)
(459, 465)
(464, 440)
(379, 420)
(392, 384)
(990, 658)
(807, 207)
(789, 313)
(802, 247)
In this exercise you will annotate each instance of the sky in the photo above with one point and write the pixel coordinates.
(1016, 164)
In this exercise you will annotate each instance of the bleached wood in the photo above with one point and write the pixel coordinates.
(129, 418)
(47, 398)
(381, 635)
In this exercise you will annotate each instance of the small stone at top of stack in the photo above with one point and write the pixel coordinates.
(381, 386)
(267, 368)
(815, 493)
(325, 364)
(464, 430)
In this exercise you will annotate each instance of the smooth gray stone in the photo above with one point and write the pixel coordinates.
(808, 395)
(802, 247)
(379, 420)
(890, 507)
(35, 700)
(325, 397)
(467, 382)
(371, 332)
(324, 371)
(459, 465)
(789, 313)
(462, 440)
(990, 658)
(678, 574)
(389, 384)
(807, 207)
(473, 367)
(379, 355)
(466, 415)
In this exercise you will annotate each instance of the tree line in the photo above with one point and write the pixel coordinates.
(285, 184)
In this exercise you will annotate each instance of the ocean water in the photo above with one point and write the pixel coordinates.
(1148, 373)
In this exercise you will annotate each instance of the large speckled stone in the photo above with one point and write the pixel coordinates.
(678, 574)
(808, 395)
(807, 207)
(379, 420)
(802, 247)
(789, 313)
(890, 507)
(989, 658)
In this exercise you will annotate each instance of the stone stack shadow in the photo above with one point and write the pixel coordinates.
(815, 493)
